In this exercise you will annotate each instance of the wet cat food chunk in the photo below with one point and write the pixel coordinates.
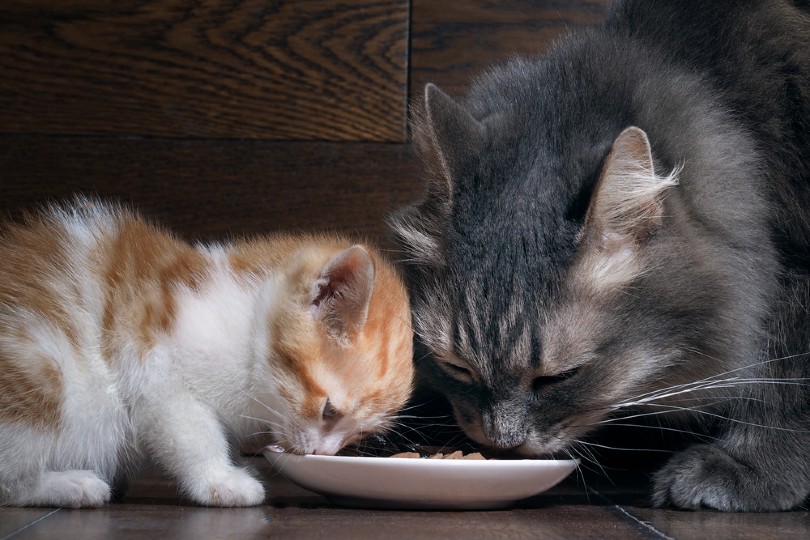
(407, 455)
(458, 454)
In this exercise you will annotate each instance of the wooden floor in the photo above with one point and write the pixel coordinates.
(614, 508)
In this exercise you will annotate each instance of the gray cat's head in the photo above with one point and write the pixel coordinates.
(554, 268)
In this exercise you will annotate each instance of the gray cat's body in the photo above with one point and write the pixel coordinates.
(623, 228)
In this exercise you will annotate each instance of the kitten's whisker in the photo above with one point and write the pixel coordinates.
(292, 420)
(423, 417)
(416, 405)
(262, 420)
(265, 405)
(423, 425)
(255, 433)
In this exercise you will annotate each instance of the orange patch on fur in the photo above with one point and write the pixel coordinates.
(142, 268)
(388, 334)
(313, 392)
(31, 392)
(30, 253)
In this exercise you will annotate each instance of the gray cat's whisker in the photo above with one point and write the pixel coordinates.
(722, 374)
(675, 409)
(662, 428)
(709, 385)
(658, 450)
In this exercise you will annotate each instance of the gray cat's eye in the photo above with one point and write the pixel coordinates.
(457, 372)
(544, 381)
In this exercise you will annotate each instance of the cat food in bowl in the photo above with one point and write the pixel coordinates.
(458, 454)
(452, 482)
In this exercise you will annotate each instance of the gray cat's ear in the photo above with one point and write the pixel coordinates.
(628, 200)
(447, 136)
(342, 291)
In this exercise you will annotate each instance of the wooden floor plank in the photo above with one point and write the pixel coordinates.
(14, 520)
(148, 521)
(215, 189)
(291, 69)
(541, 523)
(451, 42)
(153, 509)
(726, 526)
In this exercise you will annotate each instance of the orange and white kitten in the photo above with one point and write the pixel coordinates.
(120, 342)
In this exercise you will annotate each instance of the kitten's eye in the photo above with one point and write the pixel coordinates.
(330, 413)
(544, 381)
(456, 371)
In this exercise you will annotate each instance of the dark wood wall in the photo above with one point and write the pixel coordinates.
(223, 117)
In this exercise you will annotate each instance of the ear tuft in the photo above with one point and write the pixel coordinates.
(628, 198)
(418, 231)
(447, 137)
(341, 293)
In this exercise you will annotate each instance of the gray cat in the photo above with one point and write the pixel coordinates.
(622, 229)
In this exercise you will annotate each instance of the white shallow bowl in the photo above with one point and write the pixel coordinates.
(421, 483)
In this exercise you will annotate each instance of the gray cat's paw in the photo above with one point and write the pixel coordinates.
(704, 476)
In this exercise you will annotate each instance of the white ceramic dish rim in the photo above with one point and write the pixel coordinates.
(484, 488)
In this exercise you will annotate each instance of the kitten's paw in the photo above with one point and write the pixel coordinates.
(69, 489)
(706, 476)
(235, 487)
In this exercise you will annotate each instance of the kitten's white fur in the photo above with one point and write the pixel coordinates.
(205, 380)
(164, 405)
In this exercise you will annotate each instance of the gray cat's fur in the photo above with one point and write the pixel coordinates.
(563, 276)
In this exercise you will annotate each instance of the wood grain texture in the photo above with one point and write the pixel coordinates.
(14, 520)
(216, 189)
(725, 525)
(150, 509)
(451, 42)
(285, 69)
(153, 509)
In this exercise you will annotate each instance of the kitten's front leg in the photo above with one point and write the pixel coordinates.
(186, 438)
(750, 469)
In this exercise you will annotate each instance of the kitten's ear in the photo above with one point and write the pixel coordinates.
(342, 291)
(447, 135)
(628, 197)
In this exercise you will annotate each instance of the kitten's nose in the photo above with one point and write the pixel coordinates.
(329, 444)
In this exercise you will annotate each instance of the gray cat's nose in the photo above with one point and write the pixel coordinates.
(503, 428)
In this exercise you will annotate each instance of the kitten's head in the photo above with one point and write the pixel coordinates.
(341, 348)
(554, 272)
